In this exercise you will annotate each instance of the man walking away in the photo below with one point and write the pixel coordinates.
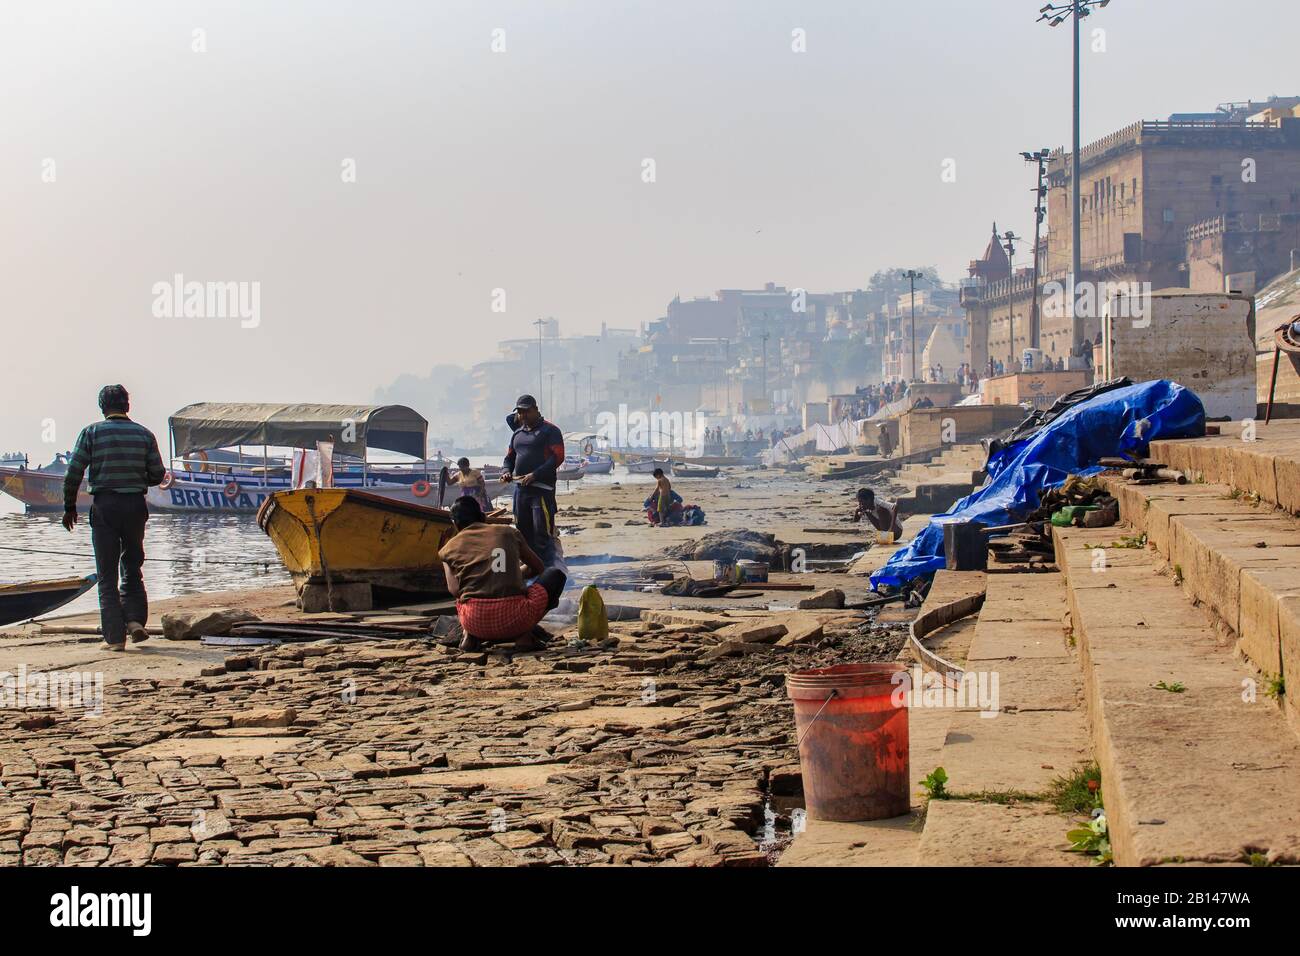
(482, 563)
(124, 461)
(536, 452)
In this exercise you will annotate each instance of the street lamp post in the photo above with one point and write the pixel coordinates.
(1040, 213)
(911, 275)
(591, 401)
(1010, 238)
(539, 323)
(1055, 14)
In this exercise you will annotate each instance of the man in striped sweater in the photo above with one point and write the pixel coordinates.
(123, 460)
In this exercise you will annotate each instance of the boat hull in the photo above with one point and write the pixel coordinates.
(38, 490)
(329, 537)
(21, 602)
(187, 495)
(646, 466)
(694, 472)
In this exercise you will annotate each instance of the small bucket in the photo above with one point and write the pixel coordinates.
(853, 741)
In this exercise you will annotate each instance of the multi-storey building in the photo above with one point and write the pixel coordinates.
(1194, 203)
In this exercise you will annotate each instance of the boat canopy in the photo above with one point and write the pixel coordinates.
(208, 425)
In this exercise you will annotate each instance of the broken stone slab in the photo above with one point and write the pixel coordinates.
(761, 632)
(203, 622)
(706, 620)
(802, 631)
(828, 599)
(735, 649)
(264, 717)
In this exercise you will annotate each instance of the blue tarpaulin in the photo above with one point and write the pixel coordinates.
(1121, 421)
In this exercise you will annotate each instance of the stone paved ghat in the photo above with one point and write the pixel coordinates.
(658, 747)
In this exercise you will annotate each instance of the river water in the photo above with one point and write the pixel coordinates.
(184, 553)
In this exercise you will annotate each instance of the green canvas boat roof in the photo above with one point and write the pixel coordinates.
(352, 428)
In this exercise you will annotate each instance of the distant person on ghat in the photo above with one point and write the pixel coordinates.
(483, 564)
(122, 459)
(882, 515)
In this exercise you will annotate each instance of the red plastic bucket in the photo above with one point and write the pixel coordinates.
(853, 744)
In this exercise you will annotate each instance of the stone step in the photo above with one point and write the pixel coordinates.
(1033, 733)
(1239, 559)
(1207, 774)
(1268, 466)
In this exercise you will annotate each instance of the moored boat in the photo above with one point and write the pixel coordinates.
(209, 477)
(646, 466)
(572, 470)
(351, 548)
(693, 471)
(40, 489)
(21, 602)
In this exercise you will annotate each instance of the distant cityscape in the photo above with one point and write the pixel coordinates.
(1204, 201)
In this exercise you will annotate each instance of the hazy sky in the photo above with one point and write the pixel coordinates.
(519, 170)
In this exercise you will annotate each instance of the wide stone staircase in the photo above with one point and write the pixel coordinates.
(937, 484)
(1161, 651)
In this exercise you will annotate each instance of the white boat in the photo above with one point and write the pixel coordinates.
(646, 466)
(572, 470)
(206, 477)
(594, 458)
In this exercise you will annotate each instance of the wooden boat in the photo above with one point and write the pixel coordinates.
(329, 538)
(19, 602)
(646, 466)
(39, 489)
(693, 471)
(598, 464)
(573, 470)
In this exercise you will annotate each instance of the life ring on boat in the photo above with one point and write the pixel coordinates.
(232, 489)
(587, 449)
(202, 458)
(168, 479)
(421, 489)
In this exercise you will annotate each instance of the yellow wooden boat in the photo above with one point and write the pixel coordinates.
(349, 550)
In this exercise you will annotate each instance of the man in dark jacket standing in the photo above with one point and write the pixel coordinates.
(123, 460)
(536, 452)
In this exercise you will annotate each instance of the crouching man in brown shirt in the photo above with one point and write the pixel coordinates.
(483, 564)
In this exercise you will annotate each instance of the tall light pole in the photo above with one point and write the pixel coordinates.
(539, 323)
(766, 336)
(1040, 213)
(591, 398)
(911, 275)
(1010, 239)
(726, 373)
(1055, 14)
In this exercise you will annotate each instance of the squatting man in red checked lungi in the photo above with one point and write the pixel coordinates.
(484, 565)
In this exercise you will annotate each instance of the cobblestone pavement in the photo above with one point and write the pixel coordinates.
(667, 744)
